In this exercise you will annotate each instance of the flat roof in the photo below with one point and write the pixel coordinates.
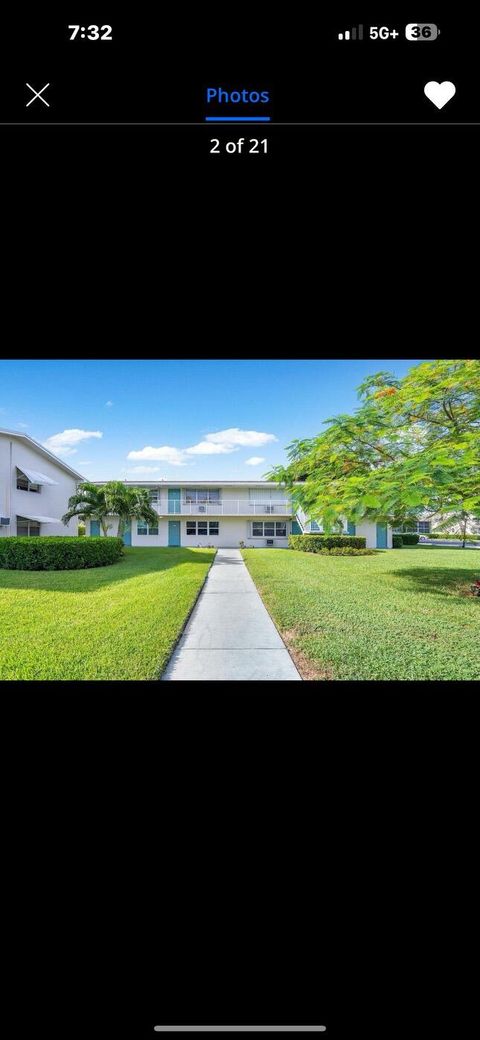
(44, 451)
(196, 483)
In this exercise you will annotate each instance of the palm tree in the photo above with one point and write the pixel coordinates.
(127, 503)
(89, 503)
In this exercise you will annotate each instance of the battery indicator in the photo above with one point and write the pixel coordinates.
(417, 31)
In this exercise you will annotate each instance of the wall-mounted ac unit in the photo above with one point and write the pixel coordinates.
(4, 521)
(269, 541)
(202, 509)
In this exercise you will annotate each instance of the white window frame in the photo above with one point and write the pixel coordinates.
(36, 488)
(269, 523)
(151, 530)
(29, 523)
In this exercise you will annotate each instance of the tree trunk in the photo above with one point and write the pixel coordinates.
(121, 526)
(464, 532)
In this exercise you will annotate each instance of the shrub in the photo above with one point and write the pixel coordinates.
(410, 539)
(58, 553)
(316, 542)
(348, 551)
(397, 541)
(456, 537)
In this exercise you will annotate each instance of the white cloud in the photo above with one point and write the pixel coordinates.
(108, 404)
(22, 425)
(85, 462)
(207, 448)
(174, 456)
(225, 441)
(255, 460)
(64, 443)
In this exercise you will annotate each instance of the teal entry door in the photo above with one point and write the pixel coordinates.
(174, 532)
(382, 542)
(127, 534)
(94, 527)
(174, 501)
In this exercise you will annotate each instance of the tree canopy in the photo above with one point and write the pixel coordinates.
(412, 447)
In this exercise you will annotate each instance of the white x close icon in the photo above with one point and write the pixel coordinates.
(37, 94)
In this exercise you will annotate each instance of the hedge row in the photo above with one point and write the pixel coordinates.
(316, 542)
(456, 537)
(410, 539)
(58, 553)
(397, 541)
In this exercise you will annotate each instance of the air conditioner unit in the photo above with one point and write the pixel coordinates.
(202, 509)
(4, 521)
(269, 509)
(269, 541)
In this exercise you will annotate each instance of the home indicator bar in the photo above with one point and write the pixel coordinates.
(240, 1029)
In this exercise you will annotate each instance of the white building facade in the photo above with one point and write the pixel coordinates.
(35, 487)
(206, 513)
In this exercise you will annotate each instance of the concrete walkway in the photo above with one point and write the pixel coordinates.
(230, 634)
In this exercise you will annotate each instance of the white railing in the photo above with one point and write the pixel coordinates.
(226, 507)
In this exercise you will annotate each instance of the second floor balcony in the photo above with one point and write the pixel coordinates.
(223, 507)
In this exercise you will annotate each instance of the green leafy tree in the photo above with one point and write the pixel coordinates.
(88, 503)
(458, 523)
(127, 503)
(411, 446)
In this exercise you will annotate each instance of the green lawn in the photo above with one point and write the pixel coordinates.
(116, 622)
(402, 614)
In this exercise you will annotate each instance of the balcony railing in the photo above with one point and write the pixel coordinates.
(226, 507)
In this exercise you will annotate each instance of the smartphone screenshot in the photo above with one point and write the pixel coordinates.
(238, 708)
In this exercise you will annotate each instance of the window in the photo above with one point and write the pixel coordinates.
(314, 526)
(202, 495)
(191, 528)
(143, 528)
(23, 483)
(269, 529)
(214, 527)
(202, 527)
(27, 528)
(424, 527)
(153, 496)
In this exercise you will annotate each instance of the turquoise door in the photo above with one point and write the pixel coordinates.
(174, 532)
(127, 534)
(296, 529)
(382, 536)
(174, 501)
(351, 528)
(94, 527)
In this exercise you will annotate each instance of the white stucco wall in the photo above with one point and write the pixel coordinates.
(231, 532)
(51, 501)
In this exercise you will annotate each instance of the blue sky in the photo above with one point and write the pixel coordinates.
(149, 420)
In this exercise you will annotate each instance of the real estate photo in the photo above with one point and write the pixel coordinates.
(335, 541)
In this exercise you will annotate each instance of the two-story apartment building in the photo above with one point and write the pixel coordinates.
(200, 513)
(34, 488)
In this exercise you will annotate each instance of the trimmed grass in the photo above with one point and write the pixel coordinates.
(402, 614)
(117, 622)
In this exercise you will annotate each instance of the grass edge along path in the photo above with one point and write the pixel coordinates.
(115, 622)
(401, 614)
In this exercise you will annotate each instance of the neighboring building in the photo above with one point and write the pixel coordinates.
(201, 513)
(377, 535)
(422, 527)
(34, 488)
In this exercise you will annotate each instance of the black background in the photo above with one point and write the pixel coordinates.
(217, 854)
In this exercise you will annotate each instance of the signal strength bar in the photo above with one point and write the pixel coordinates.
(352, 34)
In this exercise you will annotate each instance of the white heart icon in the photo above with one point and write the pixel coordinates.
(440, 93)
